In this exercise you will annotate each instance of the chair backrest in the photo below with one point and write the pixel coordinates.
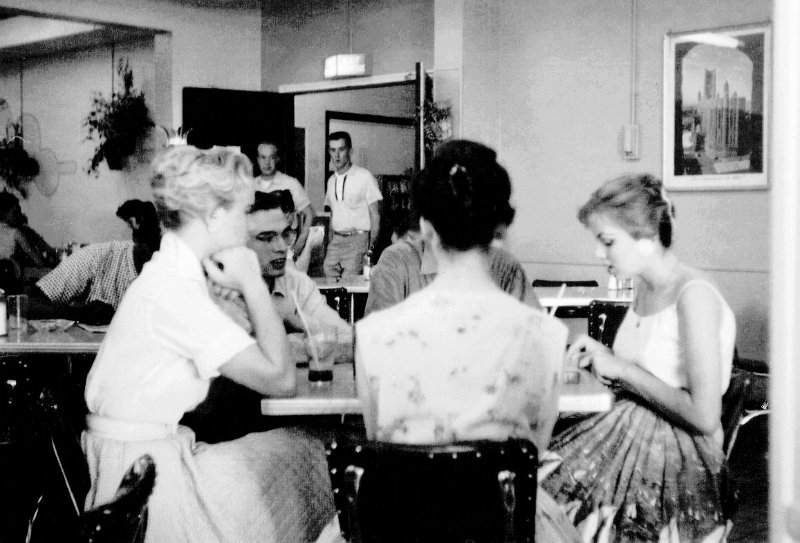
(339, 300)
(565, 311)
(558, 283)
(124, 519)
(733, 408)
(48, 478)
(465, 491)
(604, 320)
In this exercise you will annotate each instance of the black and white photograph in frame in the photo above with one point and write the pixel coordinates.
(716, 109)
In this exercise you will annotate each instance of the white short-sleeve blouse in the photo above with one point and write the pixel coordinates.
(166, 340)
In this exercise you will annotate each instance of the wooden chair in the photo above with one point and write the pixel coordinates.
(756, 402)
(124, 519)
(733, 402)
(557, 283)
(567, 312)
(339, 300)
(604, 320)
(47, 478)
(466, 491)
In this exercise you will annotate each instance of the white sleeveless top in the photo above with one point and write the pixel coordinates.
(654, 344)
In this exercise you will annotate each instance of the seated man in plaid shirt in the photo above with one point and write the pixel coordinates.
(88, 285)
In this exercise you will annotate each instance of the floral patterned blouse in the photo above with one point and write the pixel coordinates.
(444, 366)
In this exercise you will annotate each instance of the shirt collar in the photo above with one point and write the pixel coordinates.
(345, 173)
(429, 265)
(281, 287)
(177, 255)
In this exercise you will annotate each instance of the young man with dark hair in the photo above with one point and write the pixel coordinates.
(354, 200)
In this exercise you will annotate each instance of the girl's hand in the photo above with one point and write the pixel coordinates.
(239, 267)
(222, 293)
(582, 348)
(607, 367)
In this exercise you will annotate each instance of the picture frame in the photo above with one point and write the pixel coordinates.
(716, 108)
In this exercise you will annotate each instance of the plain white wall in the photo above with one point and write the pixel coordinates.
(210, 46)
(299, 35)
(56, 93)
(547, 84)
(200, 46)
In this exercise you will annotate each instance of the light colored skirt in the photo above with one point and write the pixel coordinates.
(265, 487)
(630, 475)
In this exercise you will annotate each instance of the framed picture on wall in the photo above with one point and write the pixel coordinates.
(716, 109)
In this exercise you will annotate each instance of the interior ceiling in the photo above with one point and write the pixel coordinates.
(102, 34)
(27, 47)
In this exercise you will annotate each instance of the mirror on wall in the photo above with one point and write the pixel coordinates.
(50, 68)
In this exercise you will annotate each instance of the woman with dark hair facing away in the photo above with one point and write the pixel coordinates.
(167, 340)
(461, 359)
(651, 469)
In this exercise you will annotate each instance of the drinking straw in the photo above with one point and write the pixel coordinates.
(303, 319)
(560, 294)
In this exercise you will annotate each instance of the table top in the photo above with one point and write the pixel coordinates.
(573, 296)
(73, 340)
(340, 397)
(580, 296)
(355, 284)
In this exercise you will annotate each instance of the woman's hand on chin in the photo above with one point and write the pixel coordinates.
(233, 268)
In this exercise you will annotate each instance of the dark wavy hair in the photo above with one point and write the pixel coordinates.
(274, 199)
(637, 202)
(464, 193)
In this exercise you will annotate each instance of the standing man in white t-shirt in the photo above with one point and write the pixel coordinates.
(271, 179)
(354, 199)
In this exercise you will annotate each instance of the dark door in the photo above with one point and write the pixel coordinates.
(241, 118)
(424, 97)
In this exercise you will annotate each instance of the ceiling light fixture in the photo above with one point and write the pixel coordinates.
(346, 64)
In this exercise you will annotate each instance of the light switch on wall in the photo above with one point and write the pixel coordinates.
(630, 142)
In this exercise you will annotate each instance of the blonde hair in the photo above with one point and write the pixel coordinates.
(191, 182)
(636, 202)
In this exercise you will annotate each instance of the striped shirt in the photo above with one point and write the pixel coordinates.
(98, 272)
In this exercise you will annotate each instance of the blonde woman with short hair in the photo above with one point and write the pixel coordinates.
(167, 340)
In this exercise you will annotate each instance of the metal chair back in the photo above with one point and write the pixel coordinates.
(466, 491)
(124, 519)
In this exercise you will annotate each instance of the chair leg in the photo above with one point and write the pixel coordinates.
(751, 414)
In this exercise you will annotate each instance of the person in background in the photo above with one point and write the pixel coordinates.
(167, 340)
(271, 179)
(651, 469)
(141, 217)
(354, 199)
(409, 264)
(270, 234)
(461, 359)
(231, 410)
(89, 284)
(15, 248)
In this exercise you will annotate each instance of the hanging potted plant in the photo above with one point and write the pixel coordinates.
(437, 126)
(17, 167)
(118, 124)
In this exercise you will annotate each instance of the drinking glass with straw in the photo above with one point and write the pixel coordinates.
(558, 298)
(322, 342)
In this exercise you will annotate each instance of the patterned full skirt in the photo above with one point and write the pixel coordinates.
(630, 475)
(267, 486)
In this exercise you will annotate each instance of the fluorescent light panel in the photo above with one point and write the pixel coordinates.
(345, 65)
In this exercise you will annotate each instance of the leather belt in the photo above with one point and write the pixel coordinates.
(353, 232)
